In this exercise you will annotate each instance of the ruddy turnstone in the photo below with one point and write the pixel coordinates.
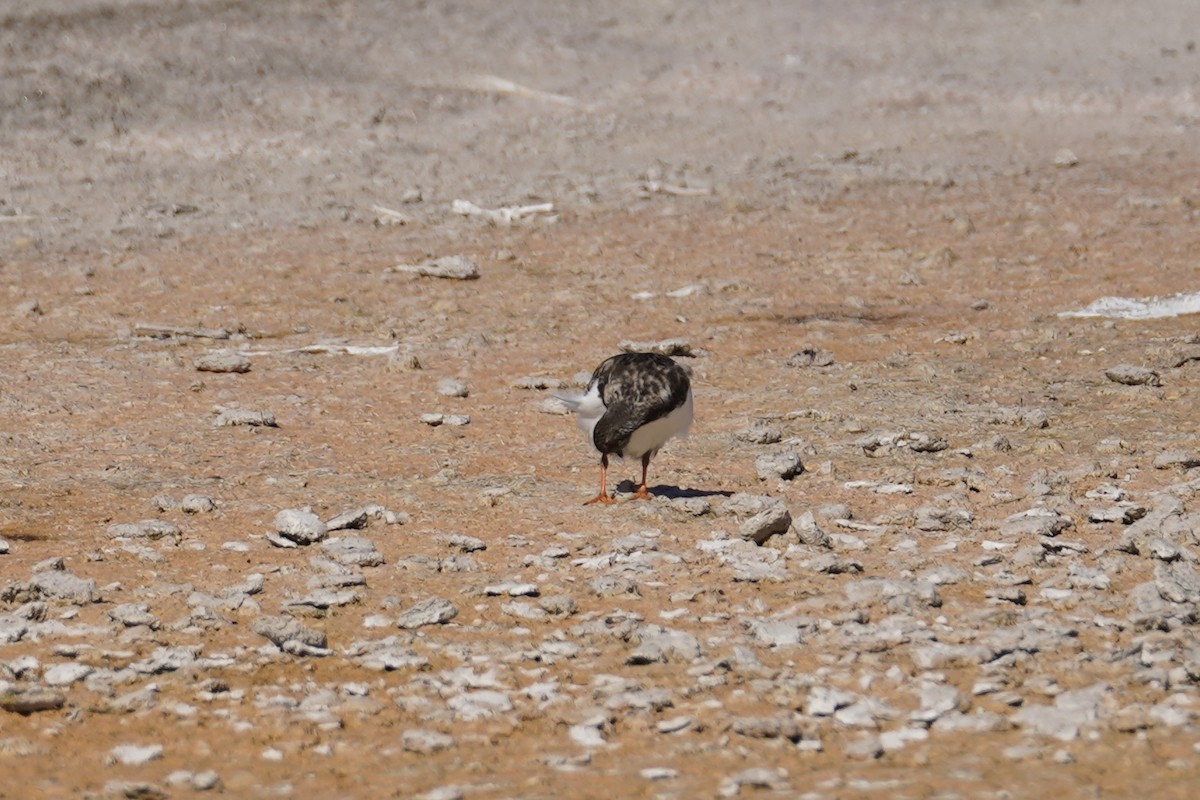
(634, 403)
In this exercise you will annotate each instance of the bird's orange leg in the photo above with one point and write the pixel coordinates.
(642, 493)
(604, 496)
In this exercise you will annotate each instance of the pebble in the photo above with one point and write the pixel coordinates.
(454, 267)
(66, 674)
(152, 529)
(810, 357)
(135, 755)
(300, 525)
(1133, 376)
(281, 630)
(27, 700)
(425, 741)
(197, 504)
(352, 551)
(481, 704)
(59, 584)
(666, 347)
(200, 781)
(433, 611)
(539, 383)
(234, 417)
(351, 519)
(223, 361)
(1177, 459)
(452, 387)
(784, 465)
(453, 420)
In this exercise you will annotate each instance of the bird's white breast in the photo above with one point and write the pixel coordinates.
(653, 435)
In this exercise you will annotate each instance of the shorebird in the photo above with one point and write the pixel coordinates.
(633, 404)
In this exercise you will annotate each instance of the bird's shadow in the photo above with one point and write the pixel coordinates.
(675, 492)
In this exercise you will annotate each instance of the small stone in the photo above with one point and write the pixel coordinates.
(134, 790)
(674, 724)
(454, 267)
(481, 704)
(754, 778)
(66, 674)
(300, 526)
(784, 465)
(453, 420)
(534, 383)
(352, 551)
(452, 387)
(281, 630)
(1177, 459)
(1130, 375)
(152, 529)
(223, 361)
(197, 504)
(462, 542)
(30, 699)
(810, 357)
(234, 417)
(423, 741)
(666, 347)
(434, 611)
(28, 308)
(62, 585)
(864, 748)
(354, 518)
(134, 755)
(1065, 158)
(658, 773)
(1035, 522)
(760, 432)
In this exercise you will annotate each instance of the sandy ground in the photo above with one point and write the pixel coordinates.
(885, 181)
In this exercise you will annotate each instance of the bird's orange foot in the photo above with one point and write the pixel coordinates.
(601, 498)
(642, 493)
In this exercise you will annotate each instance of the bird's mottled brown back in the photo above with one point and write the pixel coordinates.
(636, 388)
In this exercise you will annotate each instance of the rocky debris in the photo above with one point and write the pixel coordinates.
(234, 417)
(151, 529)
(455, 267)
(1035, 522)
(1177, 459)
(452, 387)
(1133, 376)
(810, 357)
(133, 615)
(300, 525)
(424, 741)
(291, 635)
(352, 551)
(666, 347)
(223, 361)
(1035, 418)
(759, 517)
(784, 465)
(537, 383)
(760, 432)
(202, 781)
(30, 699)
(879, 443)
(58, 584)
(453, 420)
(433, 611)
(197, 504)
(135, 755)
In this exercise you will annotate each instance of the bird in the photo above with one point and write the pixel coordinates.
(633, 404)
